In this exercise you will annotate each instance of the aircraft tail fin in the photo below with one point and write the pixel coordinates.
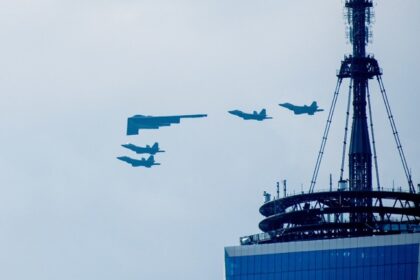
(151, 161)
(263, 112)
(155, 146)
(314, 105)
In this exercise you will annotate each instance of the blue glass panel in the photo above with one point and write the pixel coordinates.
(292, 275)
(380, 256)
(305, 274)
(401, 270)
(388, 254)
(299, 261)
(404, 254)
(263, 276)
(303, 261)
(388, 272)
(336, 274)
(250, 264)
(352, 273)
(278, 262)
(346, 272)
(272, 264)
(234, 266)
(412, 271)
(311, 260)
(284, 262)
(358, 256)
(318, 259)
(370, 256)
(352, 258)
(292, 261)
(325, 259)
(228, 266)
(395, 254)
(395, 272)
(372, 273)
(258, 264)
(365, 273)
(406, 271)
(333, 259)
(340, 258)
(360, 272)
(357, 263)
(250, 277)
(298, 275)
(320, 274)
(327, 274)
(243, 263)
(264, 263)
(413, 253)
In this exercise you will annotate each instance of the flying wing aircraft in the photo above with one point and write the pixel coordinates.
(254, 116)
(137, 122)
(139, 162)
(310, 110)
(144, 150)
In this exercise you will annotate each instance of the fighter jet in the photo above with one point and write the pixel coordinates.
(144, 150)
(137, 122)
(254, 116)
(139, 162)
(310, 110)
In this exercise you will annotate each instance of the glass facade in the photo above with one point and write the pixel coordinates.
(400, 261)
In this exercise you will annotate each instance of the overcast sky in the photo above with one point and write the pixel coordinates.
(71, 72)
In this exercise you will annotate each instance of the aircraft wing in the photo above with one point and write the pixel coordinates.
(237, 113)
(137, 122)
(288, 106)
(136, 149)
(128, 160)
(296, 109)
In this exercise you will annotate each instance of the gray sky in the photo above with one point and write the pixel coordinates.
(71, 72)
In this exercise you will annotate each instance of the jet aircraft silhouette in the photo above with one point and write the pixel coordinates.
(137, 122)
(139, 162)
(144, 150)
(310, 110)
(254, 116)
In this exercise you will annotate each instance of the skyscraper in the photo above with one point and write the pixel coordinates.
(357, 231)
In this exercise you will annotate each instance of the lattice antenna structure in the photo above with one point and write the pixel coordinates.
(356, 208)
(349, 13)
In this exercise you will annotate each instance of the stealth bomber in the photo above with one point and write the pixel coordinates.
(137, 122)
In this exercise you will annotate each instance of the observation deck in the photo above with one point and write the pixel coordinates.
(328, 214)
